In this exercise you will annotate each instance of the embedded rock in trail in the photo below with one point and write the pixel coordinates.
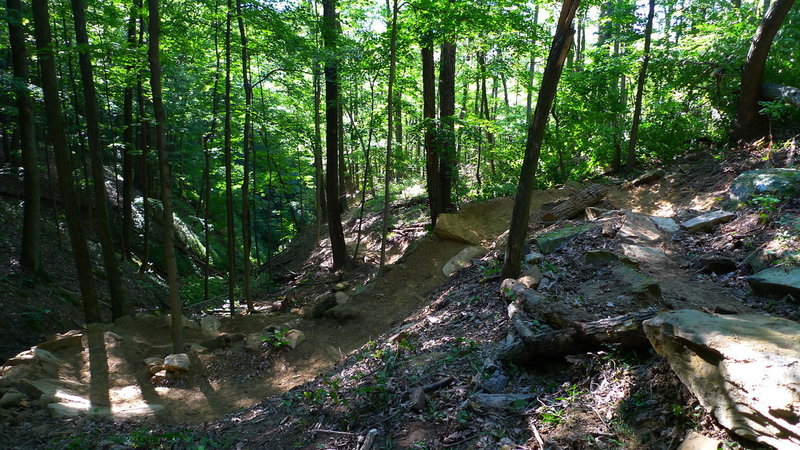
(777, 281)
(696, 441)
(550, 242)
(209, 324)
(295, 338)
(666, 224)
(641, 286)
(530, 277)
(648, 177)
(779, 182)
(717, 264)
(707, 221)
(452, 227)
(744, 369)
(646, 255)
(11, 399)
(605, 256)
(639, 229)
(462, 259)
(177, 362)
(70, 339)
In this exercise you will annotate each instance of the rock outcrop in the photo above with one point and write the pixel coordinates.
(744, 369)
(452, 227)
(707, 221)
(777, 281)
(780, 182)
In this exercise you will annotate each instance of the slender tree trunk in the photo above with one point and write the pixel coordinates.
(128, 144)
(231, 245)
(30, 257)
(207, 163)
(389, 133)
(431, 143)
(447, 106)
(637, 107)
(319, 176)
(749, 124)
(329, 36)
(80, 249)
(552, 73)
(166, 181)
(246, 144)
(113, 274)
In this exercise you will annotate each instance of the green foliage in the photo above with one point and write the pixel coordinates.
(277, 339)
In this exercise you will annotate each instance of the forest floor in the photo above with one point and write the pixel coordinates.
(361, 363)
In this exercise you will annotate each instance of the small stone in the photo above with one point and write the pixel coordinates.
(66, 410)
(295, 338)
(253, 341)
(707, 221)
(341, 297)
(177, 362)
(210, 324)
(196, 348)
(530, 277)
(154, 365)
(11, 398)
(533, 258)
(550, 242)
(666, 224)
(462, 259)
(696, 441)
(161, 378)
(417, 399)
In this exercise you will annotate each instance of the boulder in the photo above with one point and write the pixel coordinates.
(696, 441)
(743, 369)
(550, 242)
(210, 324)
(67, 410)
(777, 281)
(533, 257)
(11, 398)
(295, 338)
(779, 182)
(452, 227)
(177, 362)
(648, 177)
(639, 229)
(707, 221)
(462, 259)
(70, 339)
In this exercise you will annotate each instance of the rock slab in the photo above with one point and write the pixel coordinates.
(451, 227)
(707, 221)
(550, 242)
(744, 369)
(462, 259)
(777, 281)
(781, 182)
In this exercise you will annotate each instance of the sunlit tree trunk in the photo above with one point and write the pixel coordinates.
(246, 140)
(231, 245)
(389, 132)
(429, 116)
(128, 144)
(637, 106)
(447, 134)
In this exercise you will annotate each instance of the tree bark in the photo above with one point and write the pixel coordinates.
(154, 28)
(576, 204)
(329, 36)
(389, 132)
(231, 245)
(128, 144)
(30, 256)
(80, 250)
(447, 133)
(637, 106)
(113, 274)
(429, 116)
(552, 73)
(749, 124)
(246, 144)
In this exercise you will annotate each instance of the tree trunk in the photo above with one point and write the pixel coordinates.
(447, 134)
(231, 245)
(113, 274)
(429, 117)
(637, 106)
(246, 140)
(547, 92)
(128, 144)
(329, 36)
(166, 181)
(58, 138)
(30, 257)
(389, 133)
(207, 163)
(749, 124)
(319, 180)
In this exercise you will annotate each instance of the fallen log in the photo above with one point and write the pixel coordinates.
(625, 330)
(576, 204)
(774, 91)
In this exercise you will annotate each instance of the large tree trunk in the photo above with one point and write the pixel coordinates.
(319, 175)
(231, 246)
(447, 133)
(552, 73)
(749, 124)
(58, 139)
(637, 106)
(164, 173)
(329, 34)
(246, 140)
(30, 257)
(96, 155)
(431, 143)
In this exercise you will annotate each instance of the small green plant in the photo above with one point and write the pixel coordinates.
(277, 339)
(491, 269)
(767, 205)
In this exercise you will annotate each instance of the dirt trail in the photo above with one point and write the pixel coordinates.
(109, 373)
